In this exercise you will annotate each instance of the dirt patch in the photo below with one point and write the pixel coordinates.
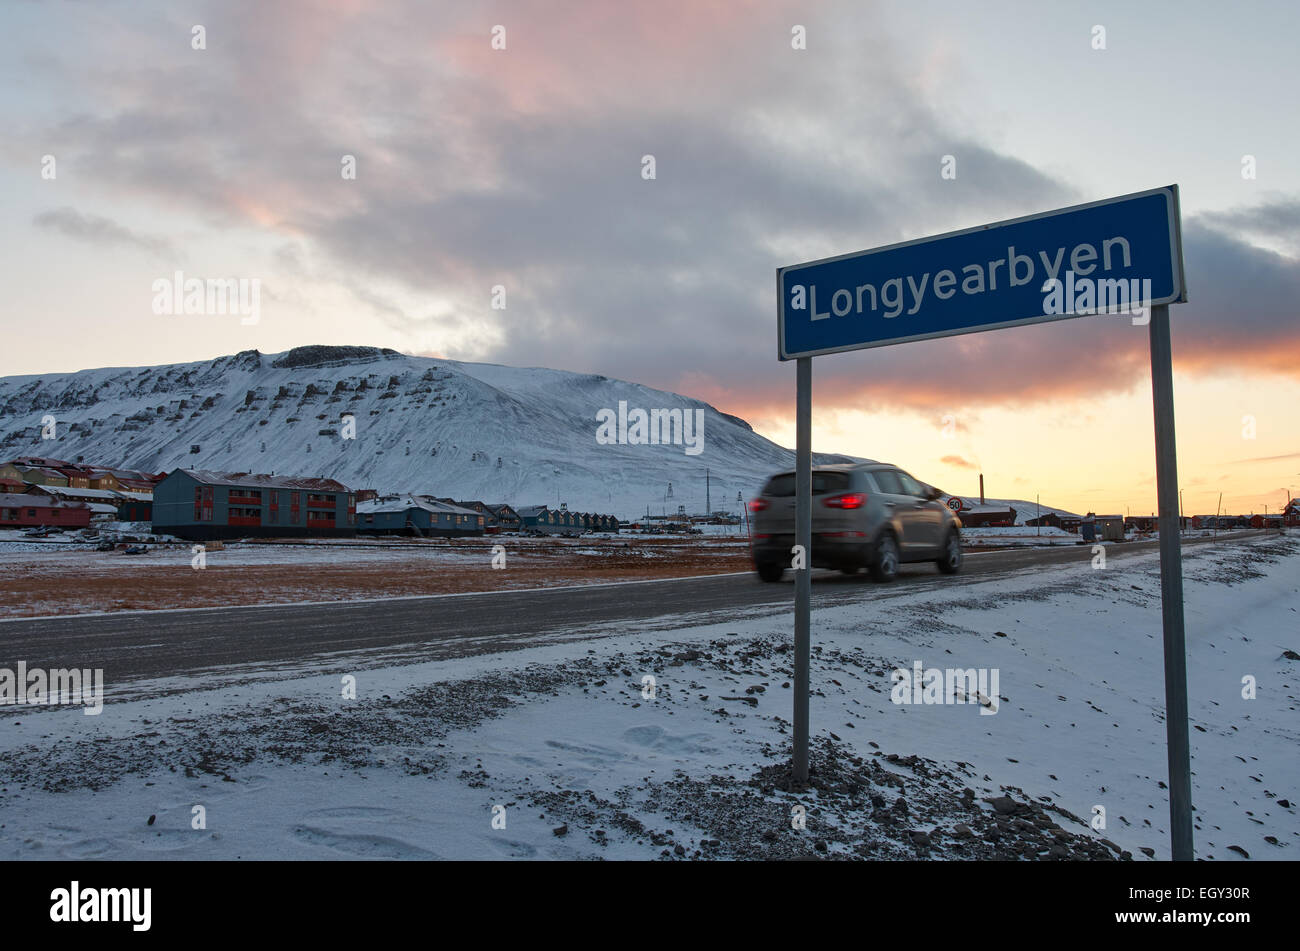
(75, 582)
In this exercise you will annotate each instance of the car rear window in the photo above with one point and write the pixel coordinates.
(823, 483)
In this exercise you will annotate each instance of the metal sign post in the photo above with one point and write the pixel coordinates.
(1052, 266)
(802, 576)
(1171, 588)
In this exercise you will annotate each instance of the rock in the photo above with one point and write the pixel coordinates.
(561, 831)
(151, 819)
(1284, 803)
(962, 831)
(1148, 852)
(920, 839)
(1239, 850)
(679, 849)
(1004, 805)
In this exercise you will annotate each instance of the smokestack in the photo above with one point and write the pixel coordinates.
(981, 488)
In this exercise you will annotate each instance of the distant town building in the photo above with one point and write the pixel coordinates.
(201, 504)
(420, 515)
(28, 510)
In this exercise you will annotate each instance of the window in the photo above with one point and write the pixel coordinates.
(910, 485)
(888, 481)
(823, 483)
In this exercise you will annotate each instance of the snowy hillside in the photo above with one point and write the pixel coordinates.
(465, 430)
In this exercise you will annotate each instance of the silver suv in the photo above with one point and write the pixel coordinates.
(869, 515)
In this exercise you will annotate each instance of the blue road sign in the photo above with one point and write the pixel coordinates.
(1111, 256)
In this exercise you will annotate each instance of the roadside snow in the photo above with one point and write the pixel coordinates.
(587, 765)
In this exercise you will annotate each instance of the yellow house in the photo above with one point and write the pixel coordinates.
(37, 475)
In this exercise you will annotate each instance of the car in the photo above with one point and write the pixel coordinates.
(137, 550)
(864, 515)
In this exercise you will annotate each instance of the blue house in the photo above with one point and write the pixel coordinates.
(200, 504)
(420, 515)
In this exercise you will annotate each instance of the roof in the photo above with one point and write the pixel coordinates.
(28, 500)
(262, 480)
(449, 507)
(66, 492)
(404, 503)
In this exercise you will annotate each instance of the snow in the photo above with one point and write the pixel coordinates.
(422, 425)
(562, 737)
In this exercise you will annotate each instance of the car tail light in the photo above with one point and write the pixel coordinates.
(849, 500)
(759, 505)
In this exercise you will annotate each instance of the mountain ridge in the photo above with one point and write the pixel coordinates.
(420, 424)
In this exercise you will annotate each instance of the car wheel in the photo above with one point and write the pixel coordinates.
(949, 561)
(884, 561)
(770, 570)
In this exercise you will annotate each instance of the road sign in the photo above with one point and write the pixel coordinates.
(1110, 254)
(1044, 267)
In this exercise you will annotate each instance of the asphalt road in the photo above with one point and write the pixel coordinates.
(222, 645)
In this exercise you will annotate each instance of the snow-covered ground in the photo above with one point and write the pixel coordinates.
(584, 761)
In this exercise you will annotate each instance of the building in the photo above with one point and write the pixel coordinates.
(27, 509)
(505, 517)
(1110, 527)
(540, 519)
(1050, 519)
(103, 503)
(980, 516)
(1291, 514)
(200, 504)
(490, 524)
(417, 515)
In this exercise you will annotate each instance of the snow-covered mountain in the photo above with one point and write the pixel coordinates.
(425, 425)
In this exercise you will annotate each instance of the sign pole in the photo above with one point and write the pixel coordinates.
(802, 575)
(1171, 589)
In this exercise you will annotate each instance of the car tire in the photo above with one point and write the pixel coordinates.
(850, 570)
(770, 570)
(950, 556)
(885, 558)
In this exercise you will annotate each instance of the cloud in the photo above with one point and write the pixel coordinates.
(522, 167)
(958, 462)
(1277, 218)
(103, 232)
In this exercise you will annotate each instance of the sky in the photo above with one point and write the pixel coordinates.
(129, 154)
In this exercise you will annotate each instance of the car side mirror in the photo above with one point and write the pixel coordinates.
(932, 494)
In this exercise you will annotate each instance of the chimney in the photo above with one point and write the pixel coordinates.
(981, 488)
